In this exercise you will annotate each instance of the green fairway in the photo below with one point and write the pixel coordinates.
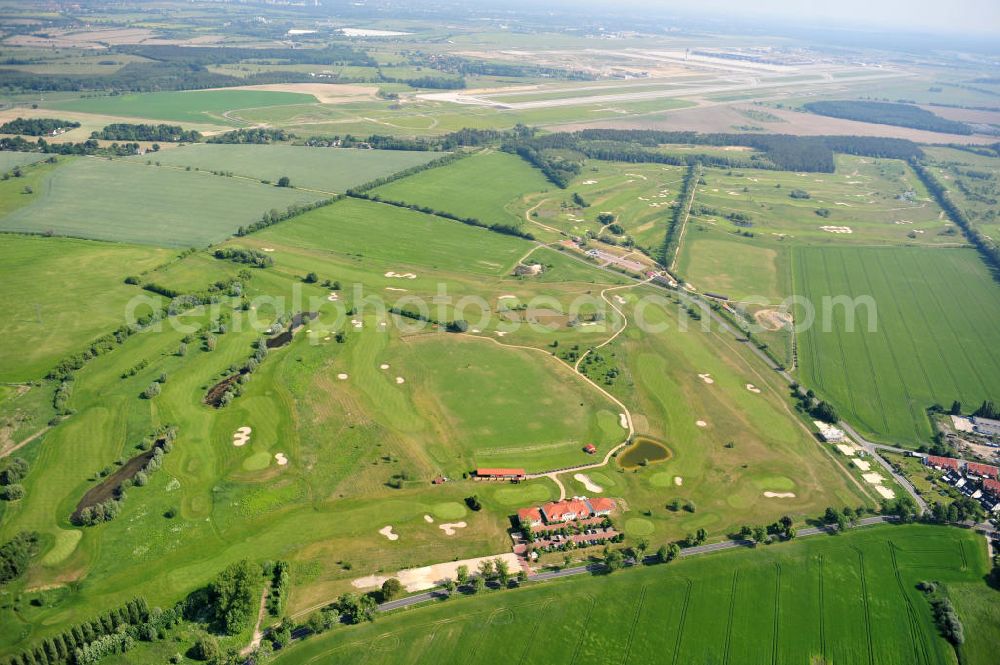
(323, 169)
(59, 294)
(482, 186)
(849, 599)
(199, 106)
(931, 342)
(128, 202)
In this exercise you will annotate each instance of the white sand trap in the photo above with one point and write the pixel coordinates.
(393, 288)
(400, 379)
(268, 249)
(241, 436)
(449, 527)
(356, 323)
(475, 330)
(333, 297)
(428, 519)
(500, 333)
(589, 182)
(507, 297)
(428, 577)
(588, 483)
(620, 300)
(280, 459)
(780, 495)
(623, 420)
(873, 478)
(846, 449)
(326, 339)
(861, 464)
(678, 481)
(707, 378)
(342, 376)
(384, 366)
(752, 388)
(837, 229)
(387, 532)
(701, 423)
(404, 275)
(885, 492)
(841, 203)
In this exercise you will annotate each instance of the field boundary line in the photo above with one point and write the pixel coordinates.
(681, 621)
(777, 614)
(864, 599)
(729, 621)
(635, 621)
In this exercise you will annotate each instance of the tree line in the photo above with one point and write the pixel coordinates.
(496, 227)
(887, 113)
(123, 131)
(36, 126)
(256, 136)
(88, 147)
(676, 222)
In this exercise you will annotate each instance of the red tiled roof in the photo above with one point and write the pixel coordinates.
(992, 486)
(499, 472)
(600, 504)
(946, 462)
(590, 448)
(986, 470)
(557, 509)
(528, 515)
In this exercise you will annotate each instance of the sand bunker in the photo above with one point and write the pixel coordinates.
(846, 449)
(333, 297)
(780, 495)
(400, 379)
(873, 478)
(585, 480)
(342, 376)
(589, 182)
(861, 464)
(405, 275)
(623, 420)
(500, 333)
(837, 229)
(280, 459)
(752, 388)
(241, 436)
(428, 519)
(387, 532)
(449, 527)
(428, 577)
(621, 300)
(707, 378)
(392, 288)
(701, 423)
(507, 297)
(356, 323)
(885, 492)
(268, 249)
(383, 366)
(678, 481)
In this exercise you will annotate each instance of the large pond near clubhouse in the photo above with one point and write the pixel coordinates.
(643, 451)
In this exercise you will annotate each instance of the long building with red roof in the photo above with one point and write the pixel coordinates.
(942, 462)
(982, 470)
(567, 510)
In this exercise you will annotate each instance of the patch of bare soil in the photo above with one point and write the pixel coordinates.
(772, 319)
(325, 93)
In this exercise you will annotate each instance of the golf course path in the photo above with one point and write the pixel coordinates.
(258, 633)
(31, 438)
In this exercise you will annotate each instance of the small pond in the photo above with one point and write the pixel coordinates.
(643, 450)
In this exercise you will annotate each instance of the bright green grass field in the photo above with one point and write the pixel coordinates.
(845, 599)
(127, 202)
(327, 170)
(385, 238)
(59, 294)
(482, 186)
(935, 341)
(202, 106)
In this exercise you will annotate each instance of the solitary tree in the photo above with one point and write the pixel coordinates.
(284, 181)
(391, 589)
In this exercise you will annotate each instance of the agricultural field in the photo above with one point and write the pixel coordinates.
(10, 160)
(703, 610)
(499, 179)
(200, 106)
(325, 170)
(927, 346)
(42, 276)
(124, 201)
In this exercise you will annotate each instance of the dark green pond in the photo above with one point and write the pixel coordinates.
(643, 450)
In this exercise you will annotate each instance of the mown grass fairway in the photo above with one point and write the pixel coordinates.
(199, 106)
(324, 169)
(129, 202)
(41, 277)
(931, 344)
(846, 599)
(498, 181)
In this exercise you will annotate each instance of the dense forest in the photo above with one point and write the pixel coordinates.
(888, 113)
(37, 126)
